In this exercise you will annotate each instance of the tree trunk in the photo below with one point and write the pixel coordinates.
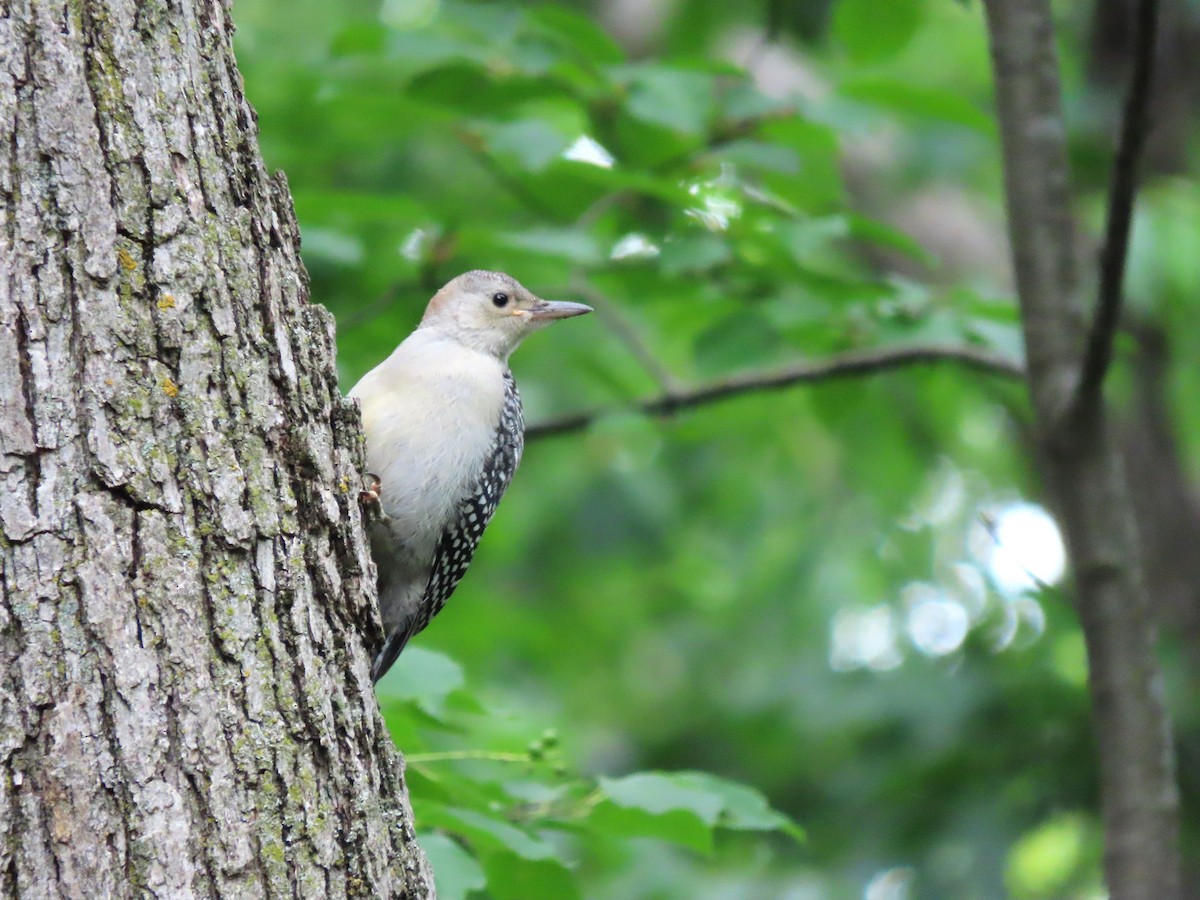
(185, 707)
(1082, 466)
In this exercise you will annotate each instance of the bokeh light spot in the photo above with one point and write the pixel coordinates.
(865, 639)
(938, 626)
(1025, 550)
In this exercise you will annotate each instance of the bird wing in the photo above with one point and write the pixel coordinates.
(458, 540)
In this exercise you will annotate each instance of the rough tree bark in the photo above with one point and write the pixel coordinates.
(185, 708)
(1081, 463)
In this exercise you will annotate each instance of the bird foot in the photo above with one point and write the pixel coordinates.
(369, 496)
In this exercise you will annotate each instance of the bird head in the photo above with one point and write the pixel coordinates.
(492, 312)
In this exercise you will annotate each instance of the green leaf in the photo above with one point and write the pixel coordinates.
(683, 807)
(455, 88)
(423, 676)
(1043, 862)
(676, 99)
(743, 808)
(740, 339)
(437, 787)
(760, 155)
(511, 877)
(865, 229)
(404, 15)
(819, 185)
(809, 240)
(367, 38)
(578, 33)
(875, 30)
(531, 142)
(744, 101)
(652, 804)
(676, 826)
(660, 792)
(455, 872)
(694, 253)
(493, 833)
(1003, 336)
(649, 146)
(576, 246)
(933, 103)
(425, 49)
(623, 178)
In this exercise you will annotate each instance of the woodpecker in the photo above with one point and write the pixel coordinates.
(444, 429)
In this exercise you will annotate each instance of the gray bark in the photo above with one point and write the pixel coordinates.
(1082, 467)
(185, 707)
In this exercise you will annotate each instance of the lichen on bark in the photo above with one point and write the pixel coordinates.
(185, 705)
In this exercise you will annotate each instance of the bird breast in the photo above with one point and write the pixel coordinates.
(429, 413)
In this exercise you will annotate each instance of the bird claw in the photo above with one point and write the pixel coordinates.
(369, 496)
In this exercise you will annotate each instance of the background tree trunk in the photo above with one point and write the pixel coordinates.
(1082, 465)
(185, 706)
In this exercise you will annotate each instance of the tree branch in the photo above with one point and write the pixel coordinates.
(626, 332)
(1122, 191)
(852, 364)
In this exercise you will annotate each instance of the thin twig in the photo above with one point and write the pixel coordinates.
(845, 365)
(475, 143)
(369, 311)
(627, 333)
(600, 206)
(455, 755)
(1122, 191)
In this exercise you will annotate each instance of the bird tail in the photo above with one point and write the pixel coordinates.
(391, 650)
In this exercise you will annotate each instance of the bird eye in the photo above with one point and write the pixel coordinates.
(500, 299)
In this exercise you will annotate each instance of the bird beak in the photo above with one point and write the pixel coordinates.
(546, 310)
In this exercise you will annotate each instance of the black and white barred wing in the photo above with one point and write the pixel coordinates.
(459, 540)
(457, 544)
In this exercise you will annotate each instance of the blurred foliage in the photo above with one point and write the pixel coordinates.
(791, 601)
